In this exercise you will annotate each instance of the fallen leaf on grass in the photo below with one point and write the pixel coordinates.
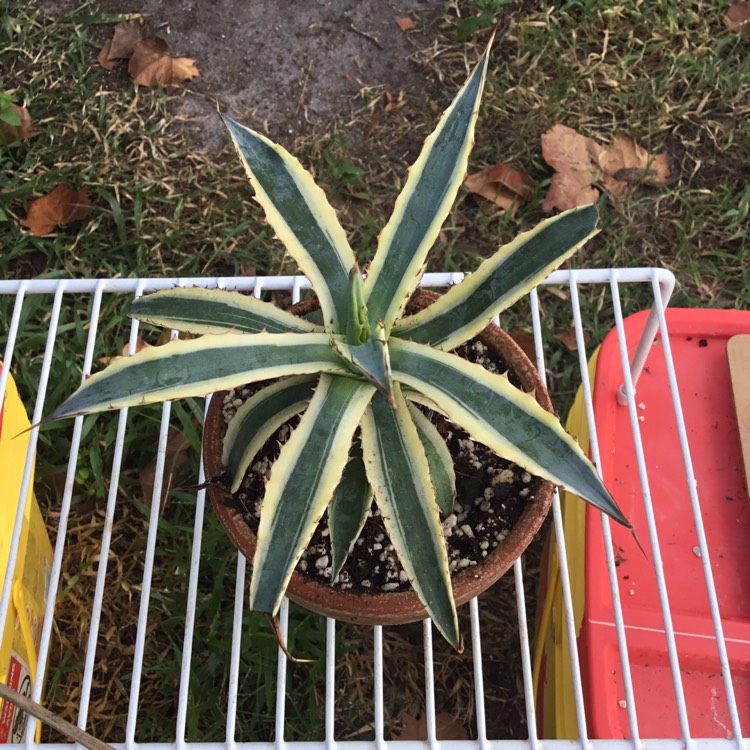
(125, 352)
(503, 185)
(447, 727)
(625, 161)
(58, 209)
(392, 102)
(164, 337)
(152, 64)
(568, 153)
(405, 24)
(19, 129)
(737, 17)
(569, 339)
(122, 44)
(580, 163)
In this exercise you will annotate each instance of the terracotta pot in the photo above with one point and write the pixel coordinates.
(390, 608)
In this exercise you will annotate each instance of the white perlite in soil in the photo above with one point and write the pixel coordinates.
(491, 494)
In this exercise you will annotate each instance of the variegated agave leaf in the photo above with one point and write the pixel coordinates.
(263, 414)
(502, 417)
(423, 205)
(513, 271)
(396, 466)
(197, 310)
(303, 480)
(302, 217)
(347, 512)
(442, 473)
(181, 369)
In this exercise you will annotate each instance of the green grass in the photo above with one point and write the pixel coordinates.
(158, 208)
(669, 74)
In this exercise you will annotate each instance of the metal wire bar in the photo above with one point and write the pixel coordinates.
(476, 650)
(281, 674)
(698, 519)
(561, 550)
(192, 597)
(330, 715)
(653, 535)
(523, 629)
(429, 681)
(234, 661)
(661, 284)
(377, 633)
(606, 530)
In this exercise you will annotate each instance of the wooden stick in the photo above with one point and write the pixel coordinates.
(71, 731)
(738, 353)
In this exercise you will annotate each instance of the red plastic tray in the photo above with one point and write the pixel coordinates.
(698, 343)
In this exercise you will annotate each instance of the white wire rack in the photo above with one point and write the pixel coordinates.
(92, 294)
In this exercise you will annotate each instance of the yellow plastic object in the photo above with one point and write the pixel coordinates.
(22, 630)
(558, 706)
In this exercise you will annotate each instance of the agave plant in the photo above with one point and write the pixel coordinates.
(356, 374)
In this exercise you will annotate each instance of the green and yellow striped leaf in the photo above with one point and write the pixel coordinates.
(302, 218)
(259, 418)
(397, 467)
(504, 418)
(423, 205)
(181, 369)
(302, 483)
(513, 271)
(200, 311)
(348, 511)
(442, 472)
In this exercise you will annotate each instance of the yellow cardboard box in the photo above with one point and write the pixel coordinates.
(22, 630)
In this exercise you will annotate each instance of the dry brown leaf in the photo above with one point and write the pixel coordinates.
(152, 64)
(61, 207)
(125, 352)
(503, 185)
(122, 44)
(103, 57)
(624, 161)
(567, 152)
(580, 162)
(394, 102)
(164, 337)
(569, 339)
(11, 133)
(737, 17)
(447, 727)
(405, 24)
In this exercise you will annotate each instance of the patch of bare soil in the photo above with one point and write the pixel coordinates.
(284, 67)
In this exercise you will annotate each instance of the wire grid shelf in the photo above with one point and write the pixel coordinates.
(92, 294)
